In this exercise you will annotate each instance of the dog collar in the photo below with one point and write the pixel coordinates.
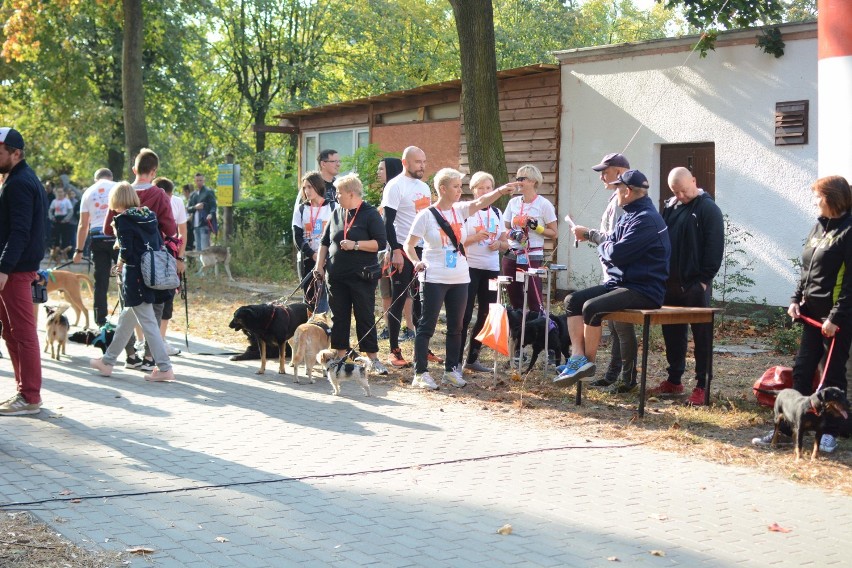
(813, 409)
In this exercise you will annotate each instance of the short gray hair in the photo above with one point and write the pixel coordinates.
(446, 175)
(350, 183)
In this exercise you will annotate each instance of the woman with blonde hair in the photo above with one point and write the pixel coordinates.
(443, 271)
(136, 231)
(486, 239)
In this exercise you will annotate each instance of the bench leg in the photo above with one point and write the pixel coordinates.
(579, 400)
(645, 333)
(709, 362)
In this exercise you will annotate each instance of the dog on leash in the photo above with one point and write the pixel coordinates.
(270, 325)
(213, 256)
(56, 330)
(58, 255)
(69, 284)
(337, 369)
(309, 339)
(808, 413)
(537, 326)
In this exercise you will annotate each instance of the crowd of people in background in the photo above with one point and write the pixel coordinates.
(427, 251)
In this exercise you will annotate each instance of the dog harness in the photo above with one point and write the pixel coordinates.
(271, 317)
(322, 326)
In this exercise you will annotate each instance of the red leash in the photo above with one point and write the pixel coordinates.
(815, 323)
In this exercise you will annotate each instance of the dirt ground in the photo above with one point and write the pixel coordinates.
(721, 433)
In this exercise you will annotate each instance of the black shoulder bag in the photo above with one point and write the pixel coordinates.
(447, 230)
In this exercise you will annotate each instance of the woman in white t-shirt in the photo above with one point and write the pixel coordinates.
(443, 271)
(309, 221)
(530, 218)
(486, 239)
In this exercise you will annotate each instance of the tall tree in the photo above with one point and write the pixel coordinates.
(132, 88)
(475, 26)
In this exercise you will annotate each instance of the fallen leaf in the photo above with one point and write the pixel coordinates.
(775, 527)
(76, 501)
(613, 559)
(140, 550)
(658, 553)
(505, 529)
(660, 517)
(66, 492)
(221, 539)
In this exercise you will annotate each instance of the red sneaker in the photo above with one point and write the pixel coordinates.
(396, 359)
(697, 397)
(666, 387)
(433, 358)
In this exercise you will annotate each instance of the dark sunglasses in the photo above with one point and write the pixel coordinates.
(522, 178)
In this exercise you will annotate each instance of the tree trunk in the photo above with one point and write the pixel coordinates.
(259, 146)
(133, 94)
(475, 26)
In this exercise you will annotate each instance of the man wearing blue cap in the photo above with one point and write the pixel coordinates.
(23, 206)
(636, 256)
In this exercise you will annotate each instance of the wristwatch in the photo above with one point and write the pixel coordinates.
(357, 246)
(78, 250)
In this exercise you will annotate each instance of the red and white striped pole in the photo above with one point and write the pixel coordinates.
(835, 88)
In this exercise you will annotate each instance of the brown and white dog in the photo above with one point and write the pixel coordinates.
(58, 255)
(69, 284)
(338, 369)
(310, 338)
(213, 256)
(56, 330)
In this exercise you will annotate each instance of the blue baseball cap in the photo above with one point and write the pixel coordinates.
(633, 178)
(612, 160)
(11, 137)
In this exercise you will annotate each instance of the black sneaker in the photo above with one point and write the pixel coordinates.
(134, 362)
(604, 382)
(407, 335)
(385, 334)
(147, 366)
(620, 387)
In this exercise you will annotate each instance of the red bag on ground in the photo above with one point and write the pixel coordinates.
(776, 379)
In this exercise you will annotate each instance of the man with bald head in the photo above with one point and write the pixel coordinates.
(404, 197)
(697, 234)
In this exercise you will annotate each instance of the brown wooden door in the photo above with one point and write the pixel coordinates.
(698, 157)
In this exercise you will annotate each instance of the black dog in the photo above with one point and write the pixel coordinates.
(100, 338)
(270, 325)
(537, 326)
(808, 413)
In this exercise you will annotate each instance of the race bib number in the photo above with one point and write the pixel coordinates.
(318, 225)
(522, 259)
(451, 258)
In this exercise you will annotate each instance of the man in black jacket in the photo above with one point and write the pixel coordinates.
(697, 234)
(23, 206)
(202, 209)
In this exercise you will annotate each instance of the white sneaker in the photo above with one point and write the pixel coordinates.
(424, 381)
(828, 443)
(454, 378)
(172, 350)
(378, 368)
(18, 406)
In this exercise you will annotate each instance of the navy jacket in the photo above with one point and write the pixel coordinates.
(23, 210)
(697, 233)
(637, 252)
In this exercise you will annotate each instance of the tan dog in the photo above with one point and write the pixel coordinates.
(310, 338)
(56, 330)
(69, 284)
(338, 370)
(58, 255)
(213, 256)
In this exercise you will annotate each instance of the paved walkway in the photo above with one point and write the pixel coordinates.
(227, 468)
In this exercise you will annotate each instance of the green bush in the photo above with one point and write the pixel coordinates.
(365, 162)
(785, 340)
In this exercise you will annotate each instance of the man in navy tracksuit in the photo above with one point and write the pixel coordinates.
(23, 207)
(636, 256)
(697, 233)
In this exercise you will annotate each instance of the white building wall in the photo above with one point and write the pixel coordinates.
(729, 99)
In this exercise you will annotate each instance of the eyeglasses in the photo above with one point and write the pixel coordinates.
(331, 161)
(522, 178)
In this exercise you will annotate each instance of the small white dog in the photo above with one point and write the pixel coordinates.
(338, 369)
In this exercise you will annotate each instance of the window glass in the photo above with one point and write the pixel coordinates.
(340, 141)
(363, 138)
(309, 154)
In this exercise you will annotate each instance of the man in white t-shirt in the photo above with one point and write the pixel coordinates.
(404, 197)
(93, 210)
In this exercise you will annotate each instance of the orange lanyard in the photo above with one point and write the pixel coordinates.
(347, 226)
(311, 215)
(521, 214)
(455, 224)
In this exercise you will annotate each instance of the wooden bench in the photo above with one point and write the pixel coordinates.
(663, 316)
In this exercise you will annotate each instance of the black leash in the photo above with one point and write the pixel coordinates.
(185, 297)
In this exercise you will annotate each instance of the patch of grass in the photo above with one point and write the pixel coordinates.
(257, 255)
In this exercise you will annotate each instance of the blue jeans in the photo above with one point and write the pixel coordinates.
(202, 237)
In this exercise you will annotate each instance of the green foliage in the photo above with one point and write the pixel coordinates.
(257, 256)
(365, 162)
(733, 279)
(770, 42)
(785, 340)
(268, 208)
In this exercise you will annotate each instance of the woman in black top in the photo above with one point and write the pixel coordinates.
(353, 236)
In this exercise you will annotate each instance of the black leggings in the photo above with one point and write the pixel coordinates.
(350, 296)
(477, 292)
(401, 282)
(453, 297)
(596, 302)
